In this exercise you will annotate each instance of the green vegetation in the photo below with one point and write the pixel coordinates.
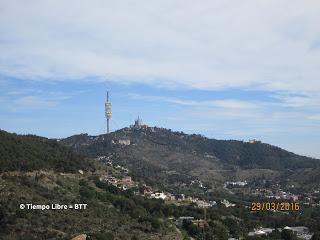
(109, 215)
(160, 158)
(155, 151)
(29, 152)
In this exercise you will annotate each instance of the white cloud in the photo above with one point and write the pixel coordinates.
(225, 103)
(26, 99)
(269, 45)
(206, 45)
(234, 104)
(298, 100)
(33, 102)
(315, 117)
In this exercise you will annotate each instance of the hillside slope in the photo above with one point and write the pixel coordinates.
(158, 153)
(29, 152)
(39, 171)
(33, 170)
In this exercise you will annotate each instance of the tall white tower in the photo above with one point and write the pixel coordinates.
(108, 111)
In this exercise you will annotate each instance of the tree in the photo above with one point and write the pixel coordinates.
(316, 236)
(287, 234)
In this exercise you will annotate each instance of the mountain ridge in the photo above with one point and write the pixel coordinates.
(201, 143)
(211, 160)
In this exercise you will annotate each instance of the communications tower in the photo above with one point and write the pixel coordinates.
(108, 111)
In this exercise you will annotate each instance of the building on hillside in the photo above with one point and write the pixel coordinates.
(124, 142)
(302, 232)
(123, 169)
(200, 223)
(197, 183)
(147, 191)
(124, 183)
(180, 197)
(205, 204)
(261, 232)
(227, 204)
(170, 197)
(236, 184)
(254, 141)
(158, 195)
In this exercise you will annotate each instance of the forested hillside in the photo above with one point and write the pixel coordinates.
(243, 154)
(165, 160)
(29, 152)
(154, 151)
(41, 171)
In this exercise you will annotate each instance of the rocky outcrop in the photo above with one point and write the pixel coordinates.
(80, 237)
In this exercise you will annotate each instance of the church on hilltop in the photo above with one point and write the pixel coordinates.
(138, 124)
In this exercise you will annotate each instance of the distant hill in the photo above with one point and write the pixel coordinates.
(155, 151)
(30, 152)
(252, 155)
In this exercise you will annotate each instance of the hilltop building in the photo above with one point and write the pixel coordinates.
(138, 124)
(254, 141)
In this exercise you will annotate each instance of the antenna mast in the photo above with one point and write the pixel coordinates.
(108, 111)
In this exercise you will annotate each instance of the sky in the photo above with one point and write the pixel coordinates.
(225, 69)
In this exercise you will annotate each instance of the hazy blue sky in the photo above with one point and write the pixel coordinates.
(225, 69)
